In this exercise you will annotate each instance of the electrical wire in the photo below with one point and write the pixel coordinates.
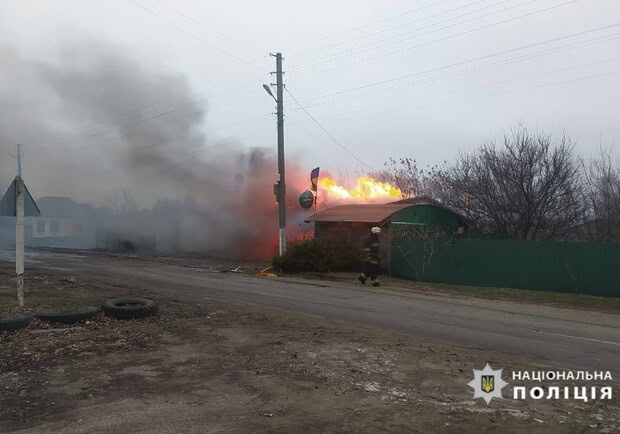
(129, 133)
(157, 116)
(365, 25)
(417, 29)
(322, 203)
(434, 41)
(152, 107)
(139, 110)
(360, 113)
(211, 29)
(475, 59)
(243, 121)
(373, 45)
(399, 109)
(530, 56)
(190, 34)
(247, 133)
(327, 132)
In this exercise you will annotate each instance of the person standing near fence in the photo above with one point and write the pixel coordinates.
(370, 258)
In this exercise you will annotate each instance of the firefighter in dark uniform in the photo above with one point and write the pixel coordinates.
(370, 258)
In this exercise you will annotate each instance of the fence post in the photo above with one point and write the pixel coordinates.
(389, 250)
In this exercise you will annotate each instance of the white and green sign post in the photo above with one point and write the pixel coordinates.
(17, 202)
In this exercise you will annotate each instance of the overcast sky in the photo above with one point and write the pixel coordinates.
(422, 79)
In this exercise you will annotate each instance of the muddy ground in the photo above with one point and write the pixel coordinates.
(206, 366)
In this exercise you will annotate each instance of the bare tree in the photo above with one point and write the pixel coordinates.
(529, 187)
(410, 179)
(602, 198)
(419, 244)
(121, 202)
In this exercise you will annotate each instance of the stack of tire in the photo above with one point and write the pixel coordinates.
(122, 308)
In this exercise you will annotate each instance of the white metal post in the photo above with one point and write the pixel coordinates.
(19, 239)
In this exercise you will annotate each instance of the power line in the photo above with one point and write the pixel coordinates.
(435, 41)
(322, 203)
(574, 45)
(246, 133)
(246, 122)
(211, 29)
(155, 116)
(475, 59)
(252, 119)
(190, 34)
(408, 24)
(161, 114)
(193, 112)
(135, 132)
(189, 93)
(140, 109)
(374, 45)
(400, 109)
(365, 25)
(327, 132)
(137, 110)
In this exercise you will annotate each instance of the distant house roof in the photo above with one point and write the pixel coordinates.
(363, 213)
(63, 207)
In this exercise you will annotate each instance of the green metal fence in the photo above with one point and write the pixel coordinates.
(575, 267)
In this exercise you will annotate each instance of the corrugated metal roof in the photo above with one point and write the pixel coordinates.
(419, 200)
(364, 213)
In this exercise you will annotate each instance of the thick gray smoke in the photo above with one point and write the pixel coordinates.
(93, 121)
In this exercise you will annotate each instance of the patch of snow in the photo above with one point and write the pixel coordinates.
(398, 393)
(371, 386)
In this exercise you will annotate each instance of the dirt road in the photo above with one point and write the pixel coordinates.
(560, 337)
(240, 353)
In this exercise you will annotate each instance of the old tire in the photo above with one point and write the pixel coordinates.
(69, 317)
(15, 322)
(129, 307)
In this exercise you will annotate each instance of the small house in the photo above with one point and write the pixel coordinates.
(63, 223)
(353, 222)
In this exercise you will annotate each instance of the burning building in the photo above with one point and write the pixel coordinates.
(353, 222)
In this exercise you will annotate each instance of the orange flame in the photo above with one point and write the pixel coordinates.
(366, 189)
